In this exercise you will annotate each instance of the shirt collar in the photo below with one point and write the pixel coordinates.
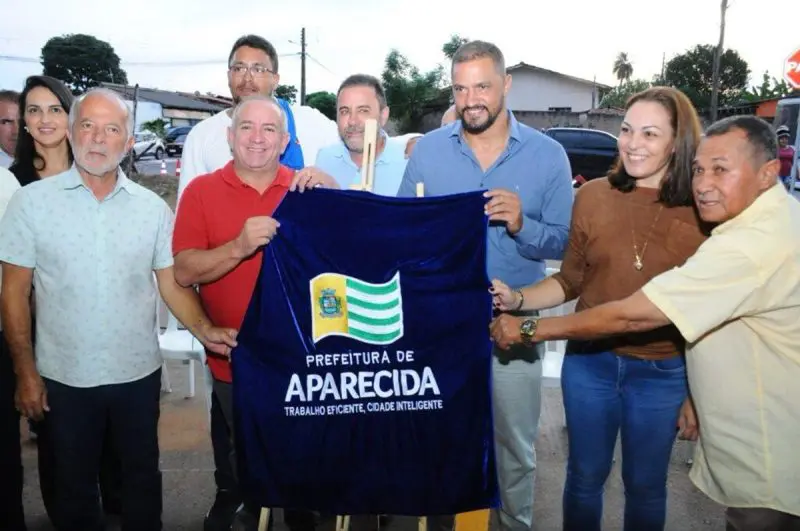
(344, 154)
(282, 179)
(72, 179)
(766, 202)
(513, 128)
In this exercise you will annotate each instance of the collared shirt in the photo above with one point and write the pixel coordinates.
(390, 165)
(212, 212)
(93, 263)
(206, 148)
(737, 303)
(533, 166)
(8, 185)
(6, 160)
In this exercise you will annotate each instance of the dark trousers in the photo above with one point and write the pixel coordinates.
(77, 424)
(11, 515)
(757, 519)
(296, 520)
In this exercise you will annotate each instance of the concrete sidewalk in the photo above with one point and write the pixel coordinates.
(187, 466)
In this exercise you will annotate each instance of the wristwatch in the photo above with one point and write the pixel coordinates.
(527, 330)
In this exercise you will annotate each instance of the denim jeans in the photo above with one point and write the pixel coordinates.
(606, 394)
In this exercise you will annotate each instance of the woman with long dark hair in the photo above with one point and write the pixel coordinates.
(626, 229)
(42, 146)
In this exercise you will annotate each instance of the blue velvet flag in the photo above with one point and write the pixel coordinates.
(362, 374)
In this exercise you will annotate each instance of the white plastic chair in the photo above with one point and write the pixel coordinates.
(179, 344)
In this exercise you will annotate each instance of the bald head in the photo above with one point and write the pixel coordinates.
(259, 100)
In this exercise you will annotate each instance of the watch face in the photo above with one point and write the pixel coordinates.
(527, 327)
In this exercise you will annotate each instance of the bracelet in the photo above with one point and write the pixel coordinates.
(521, 300)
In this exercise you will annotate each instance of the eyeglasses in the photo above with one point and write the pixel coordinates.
(256, 70)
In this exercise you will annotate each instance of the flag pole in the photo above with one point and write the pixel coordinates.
(368, 157)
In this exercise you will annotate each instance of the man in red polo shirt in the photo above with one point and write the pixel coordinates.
(222, 224)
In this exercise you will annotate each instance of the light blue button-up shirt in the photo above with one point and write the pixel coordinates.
(389, 166)
(93, 265)
(533, 166)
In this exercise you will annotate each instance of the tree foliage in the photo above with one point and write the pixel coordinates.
(623, 69)
(81, 62)
(157, 126)
(324, 102)
(618, 96)
(286, 92)
(692, 73)
(411, 94)
(770, 87)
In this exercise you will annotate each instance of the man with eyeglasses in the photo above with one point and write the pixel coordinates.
(9, 116)
(252, 69)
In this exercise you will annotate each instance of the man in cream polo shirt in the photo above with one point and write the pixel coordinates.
(737, 303)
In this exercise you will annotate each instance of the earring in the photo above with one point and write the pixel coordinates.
(26, 129)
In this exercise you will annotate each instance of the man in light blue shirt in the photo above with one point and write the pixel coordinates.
(529, 205)
(361, 97)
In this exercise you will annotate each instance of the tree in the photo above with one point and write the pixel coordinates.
(450, 48)
(692, 72)
(618, 96)
(81, 62)
(623, 68)
(770, 87)
(324, 102)
(411, 94)
(286, 92)
(157, 126)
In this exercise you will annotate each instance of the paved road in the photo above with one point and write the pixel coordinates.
(151, 166)
(187, 466)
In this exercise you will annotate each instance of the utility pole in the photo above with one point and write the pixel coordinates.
(135, 105)
(302, 66)
(663, 66)
(717, 58)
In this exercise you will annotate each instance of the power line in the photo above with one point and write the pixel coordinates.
(190, 62)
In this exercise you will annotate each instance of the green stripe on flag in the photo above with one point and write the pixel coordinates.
(376, 338)
(372, 320)
(361, 303)
(383, 289)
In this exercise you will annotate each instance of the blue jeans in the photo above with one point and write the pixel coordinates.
(606, 394)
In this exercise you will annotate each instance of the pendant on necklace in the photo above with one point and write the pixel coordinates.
(637, 264)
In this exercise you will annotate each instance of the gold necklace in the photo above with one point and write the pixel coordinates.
(638, 262)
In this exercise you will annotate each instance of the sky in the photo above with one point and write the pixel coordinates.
(576, 37)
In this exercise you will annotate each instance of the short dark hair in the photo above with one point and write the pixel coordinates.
(27, 161)
(760, 136)
(365, 80)
(676, 189)
(11, 96)
(259, 43)
(472, 50)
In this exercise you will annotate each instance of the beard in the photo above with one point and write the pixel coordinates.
(478, 127)
(97, 169)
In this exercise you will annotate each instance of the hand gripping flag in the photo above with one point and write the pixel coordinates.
(362, 374)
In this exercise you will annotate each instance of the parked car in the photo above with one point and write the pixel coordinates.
(147, 143)
(591, 152)
(175, 132)
(175, 148)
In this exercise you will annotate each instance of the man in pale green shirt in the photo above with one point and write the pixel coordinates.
(737, 304)
(91, 242)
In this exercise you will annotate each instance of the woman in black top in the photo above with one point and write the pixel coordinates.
(43, 149)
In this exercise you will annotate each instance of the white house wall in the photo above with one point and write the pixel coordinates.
(541, 91)
(145, 111)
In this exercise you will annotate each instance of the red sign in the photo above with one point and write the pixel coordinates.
(791, 69)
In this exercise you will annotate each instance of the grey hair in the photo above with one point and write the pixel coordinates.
(259, 97)
(473, 50)
(109, 95)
